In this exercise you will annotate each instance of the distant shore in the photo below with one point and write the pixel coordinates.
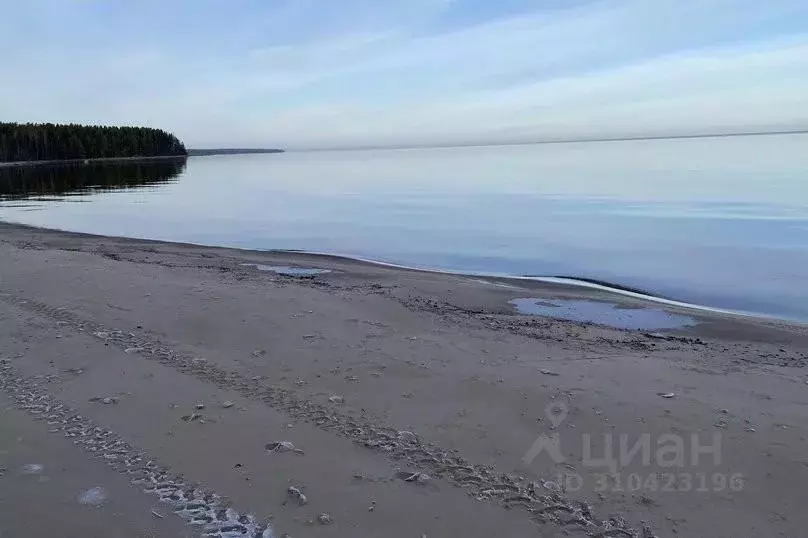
(547, 141)
(231, 151)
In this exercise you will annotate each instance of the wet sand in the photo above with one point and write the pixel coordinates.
(206, 396)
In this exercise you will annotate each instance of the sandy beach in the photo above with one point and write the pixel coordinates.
(157, 389)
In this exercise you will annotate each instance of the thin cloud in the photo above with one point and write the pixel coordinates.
(311, 73)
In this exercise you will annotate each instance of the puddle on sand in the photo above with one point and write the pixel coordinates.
(608, 314)
(288, 270)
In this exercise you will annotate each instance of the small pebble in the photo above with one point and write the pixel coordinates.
(228, 404)
(199, 406)
(667, 394)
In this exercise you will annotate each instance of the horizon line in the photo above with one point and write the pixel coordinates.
(527, 143)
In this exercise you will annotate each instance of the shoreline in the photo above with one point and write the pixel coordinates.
(95, 160)
(413, 400)
(584, 285)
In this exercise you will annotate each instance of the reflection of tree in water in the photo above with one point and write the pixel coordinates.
(73, 179)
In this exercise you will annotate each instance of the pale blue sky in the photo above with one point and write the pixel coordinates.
(325, 73)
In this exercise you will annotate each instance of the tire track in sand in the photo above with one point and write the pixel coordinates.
(481, 482)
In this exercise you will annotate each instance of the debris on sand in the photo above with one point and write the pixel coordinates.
(336, 399)
(131, 350)
(324, 519)
(32, 468)
(104, 400)
(199, 406)
(417, 478)
(227, 405)
(94, 496)
(666, 394)
(192, 417)
(279, 447)
(656, 336)
(158, 515)
(549, 372)
(295, 493)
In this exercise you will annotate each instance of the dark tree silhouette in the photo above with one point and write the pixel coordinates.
(49, 142)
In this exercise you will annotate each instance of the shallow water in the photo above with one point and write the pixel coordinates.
(288, 270)
(601, 313)
(719, 222)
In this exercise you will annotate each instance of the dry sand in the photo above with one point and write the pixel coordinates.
(149, 389)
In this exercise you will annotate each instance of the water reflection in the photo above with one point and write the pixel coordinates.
(47, 181)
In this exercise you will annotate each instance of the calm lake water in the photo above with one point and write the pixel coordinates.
(721, 222)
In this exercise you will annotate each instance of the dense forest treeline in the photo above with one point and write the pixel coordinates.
(49, 142)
